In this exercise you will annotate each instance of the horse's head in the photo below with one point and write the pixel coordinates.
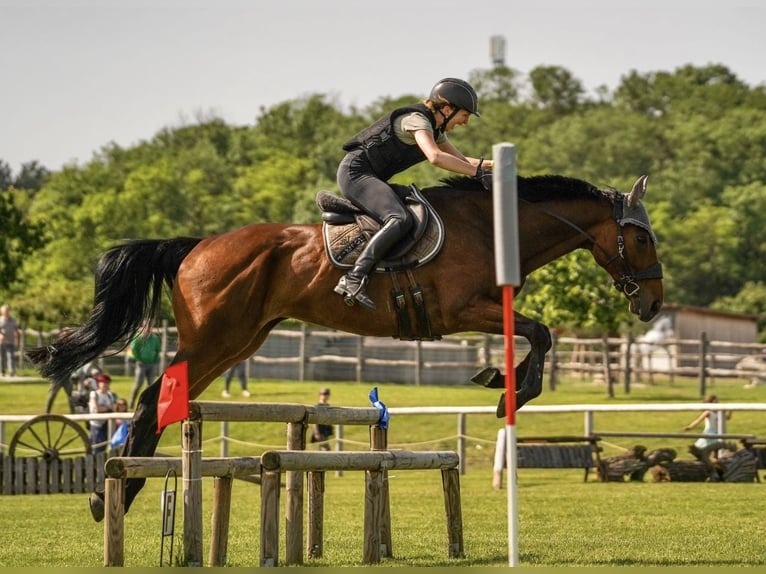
(628, 252)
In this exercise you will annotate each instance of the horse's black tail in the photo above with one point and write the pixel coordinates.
(128, 289)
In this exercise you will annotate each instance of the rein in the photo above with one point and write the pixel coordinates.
(628, 281)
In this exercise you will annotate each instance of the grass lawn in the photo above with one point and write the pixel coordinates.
(563, 521)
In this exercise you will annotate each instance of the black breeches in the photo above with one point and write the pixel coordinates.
(371, 194)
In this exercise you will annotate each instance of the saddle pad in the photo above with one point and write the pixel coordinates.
(344, 243)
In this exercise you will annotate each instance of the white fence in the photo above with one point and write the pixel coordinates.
(589, 412)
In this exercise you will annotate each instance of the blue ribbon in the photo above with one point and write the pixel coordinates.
(384, 415)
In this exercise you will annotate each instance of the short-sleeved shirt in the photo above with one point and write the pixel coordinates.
(406, 125)
(147, 349)
(8, 329)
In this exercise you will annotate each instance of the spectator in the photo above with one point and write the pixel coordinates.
(10, 337)
(120, 435)
(712, 420)
(85, 381)
(145, 348)
(238, 371)
(321, 433)
(102, 400)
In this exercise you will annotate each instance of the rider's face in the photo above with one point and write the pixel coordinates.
(461, 118)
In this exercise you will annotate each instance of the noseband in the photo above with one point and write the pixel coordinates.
(628, 281)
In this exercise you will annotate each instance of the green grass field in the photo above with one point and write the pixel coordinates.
(562, 520)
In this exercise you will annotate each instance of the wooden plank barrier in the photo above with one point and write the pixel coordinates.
(294, 462)
(298, 417)
(118, 469)
(36, 475)
(374, 463)
(559, 452)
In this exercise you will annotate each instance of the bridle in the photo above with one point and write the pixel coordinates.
(628, 281)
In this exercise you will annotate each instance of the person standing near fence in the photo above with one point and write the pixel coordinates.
(321, 433)
(102, 400)
(10, 338)
(145, 348)
(238, 371)
(712, 425)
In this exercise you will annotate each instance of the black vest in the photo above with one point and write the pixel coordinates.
(387, 154)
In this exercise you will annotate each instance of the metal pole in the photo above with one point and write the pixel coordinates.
(506, 223)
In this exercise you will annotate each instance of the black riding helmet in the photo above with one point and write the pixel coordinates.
(457, 92)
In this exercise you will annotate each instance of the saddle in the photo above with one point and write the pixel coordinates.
(346, 230)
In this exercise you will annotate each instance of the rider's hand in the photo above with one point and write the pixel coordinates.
(484, 173)
(485, 177)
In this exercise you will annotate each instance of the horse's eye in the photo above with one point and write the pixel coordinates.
(642, 238)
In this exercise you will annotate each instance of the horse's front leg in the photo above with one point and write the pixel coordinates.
(529, 373)
(142, 441)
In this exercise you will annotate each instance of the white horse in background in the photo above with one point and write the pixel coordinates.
(648, 344)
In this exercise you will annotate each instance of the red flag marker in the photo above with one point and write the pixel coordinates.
(173, 404)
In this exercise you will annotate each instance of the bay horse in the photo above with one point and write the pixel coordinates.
(244, 282)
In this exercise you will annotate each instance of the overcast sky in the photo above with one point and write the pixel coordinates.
(76, 75)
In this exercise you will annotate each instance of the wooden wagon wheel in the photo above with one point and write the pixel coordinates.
(50, 437)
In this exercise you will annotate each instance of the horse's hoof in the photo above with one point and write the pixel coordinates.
(96, 504)
(490, 378)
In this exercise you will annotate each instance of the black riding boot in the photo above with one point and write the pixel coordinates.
(353, 286)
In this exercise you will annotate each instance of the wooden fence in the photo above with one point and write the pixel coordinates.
(310, 353)
(36, 475)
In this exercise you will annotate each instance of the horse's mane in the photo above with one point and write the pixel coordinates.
(540, 188)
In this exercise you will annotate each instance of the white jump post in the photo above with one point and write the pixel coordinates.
(506, 228)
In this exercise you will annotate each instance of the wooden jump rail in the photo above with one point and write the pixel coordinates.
(298, 417)
(293, 462)
(118, 469)
(688, 435)
(559, 452)
(375, 463)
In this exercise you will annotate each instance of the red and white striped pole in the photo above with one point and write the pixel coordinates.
(506, 228)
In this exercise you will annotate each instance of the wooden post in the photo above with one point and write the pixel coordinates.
(359, 358)
(338, 444)
(315, 535)
(554, 369)
(302, 350)
(379, 441)
(607, 370)
(296, 440)
(270, 518)
(192, 491)
(703, 363)
(418, 362)
(454, 512)
(461, 421)
(372, 514)
(219, 531)
(114, 522)
(628, 362)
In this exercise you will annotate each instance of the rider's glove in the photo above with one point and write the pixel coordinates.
(484, 175)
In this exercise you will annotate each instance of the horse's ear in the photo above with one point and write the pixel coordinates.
(638, 192)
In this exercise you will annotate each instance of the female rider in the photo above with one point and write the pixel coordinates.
(397, 141)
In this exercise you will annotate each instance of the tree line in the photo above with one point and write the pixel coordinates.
(698, 132)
